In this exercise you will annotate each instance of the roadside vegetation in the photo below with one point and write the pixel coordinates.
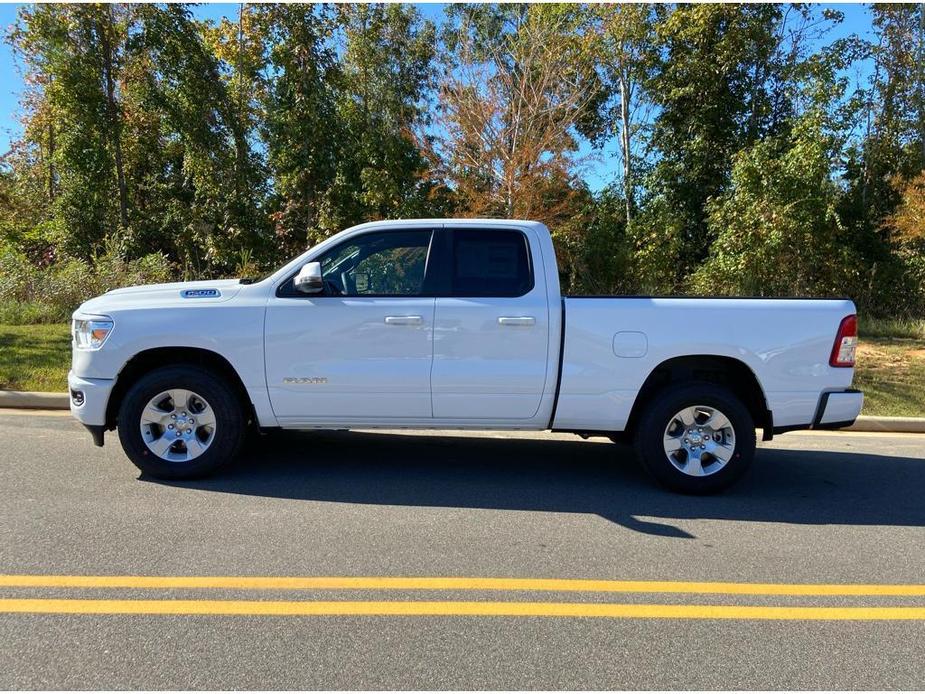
(155, 143)
(158, 146)
(890, 367)
(35, 357)
(891, 372)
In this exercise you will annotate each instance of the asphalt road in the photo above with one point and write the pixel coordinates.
(816, 509)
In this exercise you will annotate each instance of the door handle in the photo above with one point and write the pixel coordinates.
(517, 320)
(403, 320)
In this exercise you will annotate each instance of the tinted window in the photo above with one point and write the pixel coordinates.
(490, 262)
(378, 264)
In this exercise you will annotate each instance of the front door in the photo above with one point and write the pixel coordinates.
(363, 349)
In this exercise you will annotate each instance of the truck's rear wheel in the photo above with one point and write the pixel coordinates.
(696, 438)
(180, 422)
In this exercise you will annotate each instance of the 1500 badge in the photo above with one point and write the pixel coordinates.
(200, 293)
(310, 381)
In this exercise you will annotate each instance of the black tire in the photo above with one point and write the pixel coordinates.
(658, 415)
(230, 429)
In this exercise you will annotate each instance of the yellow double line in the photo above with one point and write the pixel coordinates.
(455, 608)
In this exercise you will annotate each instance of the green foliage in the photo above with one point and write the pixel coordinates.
(386, 74)
(913, 329)
(593, 250)
(711, 85)
(745, 159)
(300, 125)
(30, 294)
(65, 45)
(776, 227)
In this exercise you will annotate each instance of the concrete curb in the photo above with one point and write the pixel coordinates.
(61, 401)
(902, 425)
(34, 401)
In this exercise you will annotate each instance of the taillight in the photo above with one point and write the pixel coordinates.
(846, 343)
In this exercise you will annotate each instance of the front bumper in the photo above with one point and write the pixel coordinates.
(839, 409)
(89, 399)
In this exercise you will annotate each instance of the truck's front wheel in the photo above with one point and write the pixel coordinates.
(180, 422)
(696, 438)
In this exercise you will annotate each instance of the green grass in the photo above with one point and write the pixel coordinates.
(34, 357)
(910, 328)
(30, 313)
(890, 370)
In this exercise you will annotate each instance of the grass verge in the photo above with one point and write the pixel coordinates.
(890, 371)
(909, 328)
(34, 357)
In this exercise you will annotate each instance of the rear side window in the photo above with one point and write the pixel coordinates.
(490, 262)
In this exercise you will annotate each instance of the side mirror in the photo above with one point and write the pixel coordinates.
(309, 280)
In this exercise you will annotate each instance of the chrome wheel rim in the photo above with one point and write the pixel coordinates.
(178, 425)
(699, 441)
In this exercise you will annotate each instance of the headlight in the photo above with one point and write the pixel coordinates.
(91, 333)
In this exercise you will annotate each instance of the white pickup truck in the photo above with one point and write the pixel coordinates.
(454, 324)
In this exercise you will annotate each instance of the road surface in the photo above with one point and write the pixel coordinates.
(111, 581)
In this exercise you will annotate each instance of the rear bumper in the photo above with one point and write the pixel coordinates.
(834, 410)
(838, 409)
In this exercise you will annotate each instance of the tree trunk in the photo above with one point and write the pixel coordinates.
(239, 138)
(51, 160)
(921, 80)
(115, 120)
(625, 146)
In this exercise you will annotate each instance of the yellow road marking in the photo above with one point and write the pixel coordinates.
(455, 583)
(461, 609)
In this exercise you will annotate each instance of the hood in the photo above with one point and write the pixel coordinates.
(162, 296)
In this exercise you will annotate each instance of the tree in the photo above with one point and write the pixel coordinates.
(25, 221)
(240, 48)
(724, 79)
(142, 148)
(73, 56)
(744, 156)
(906, 227)
(301, 129)
(908, 222)
(519, 81)
(776, 227)
(386, 76)
(180, 154)
(894, 141)
(626, 57)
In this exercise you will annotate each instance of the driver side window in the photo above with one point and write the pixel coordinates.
(387, 263)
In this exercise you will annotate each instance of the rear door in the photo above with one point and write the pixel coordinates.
(491, 329)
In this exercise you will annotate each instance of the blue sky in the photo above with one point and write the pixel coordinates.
(602, 167)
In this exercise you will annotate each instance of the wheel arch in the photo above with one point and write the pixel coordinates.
(150, 359)
(725, 371)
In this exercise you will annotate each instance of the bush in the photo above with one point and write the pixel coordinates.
(33, 294)
(904, 328)
(28, 313)
(776, 227)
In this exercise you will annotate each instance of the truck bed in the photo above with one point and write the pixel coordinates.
(612, 345)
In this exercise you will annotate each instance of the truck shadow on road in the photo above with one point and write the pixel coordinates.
(562, 476)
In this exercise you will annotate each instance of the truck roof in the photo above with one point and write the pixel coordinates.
(461, 221)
